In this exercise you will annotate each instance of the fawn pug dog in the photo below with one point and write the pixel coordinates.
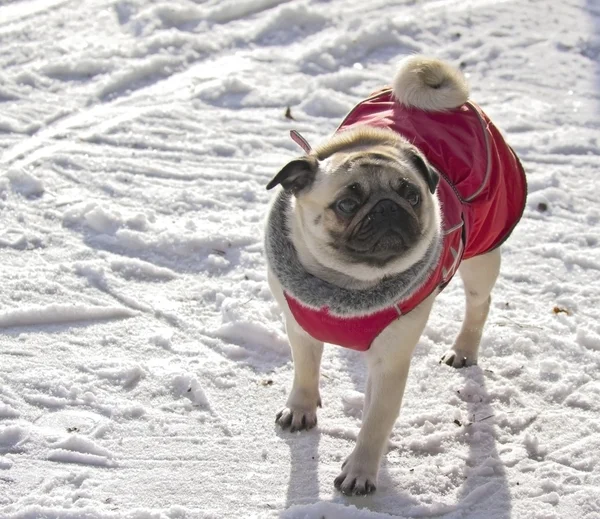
(369, 227)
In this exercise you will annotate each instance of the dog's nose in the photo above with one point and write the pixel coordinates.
(383, 210)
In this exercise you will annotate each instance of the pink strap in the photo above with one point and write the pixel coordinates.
(300, 141)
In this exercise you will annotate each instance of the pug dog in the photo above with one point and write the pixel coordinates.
(369, 227)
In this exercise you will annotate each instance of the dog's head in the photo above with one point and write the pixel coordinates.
(364, 203)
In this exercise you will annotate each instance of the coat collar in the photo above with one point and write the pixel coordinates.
(316, 293)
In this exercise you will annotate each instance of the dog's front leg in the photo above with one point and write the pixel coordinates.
(388, 361)
(300, 411)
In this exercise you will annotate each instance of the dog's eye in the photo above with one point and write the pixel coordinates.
(413, 198)
(347, 206)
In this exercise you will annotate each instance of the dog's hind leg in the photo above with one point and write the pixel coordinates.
(479, 275)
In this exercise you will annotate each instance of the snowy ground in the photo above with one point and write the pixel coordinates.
(142, 358)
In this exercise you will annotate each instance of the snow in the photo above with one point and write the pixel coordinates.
(54, 314)
(25, 184)
(79, 449)
(11, 436)
(142, 357)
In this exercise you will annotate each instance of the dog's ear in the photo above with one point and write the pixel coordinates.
(296, 175)
(427, 172)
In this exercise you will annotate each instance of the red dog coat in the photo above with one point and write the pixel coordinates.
(482, 192)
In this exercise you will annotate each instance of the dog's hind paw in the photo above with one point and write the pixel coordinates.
(458, 359)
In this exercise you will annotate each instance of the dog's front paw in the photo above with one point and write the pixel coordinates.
(356, 480)
(458, 358)
(296, 419)
(298, 415)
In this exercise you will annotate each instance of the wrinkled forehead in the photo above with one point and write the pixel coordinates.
(371, 169)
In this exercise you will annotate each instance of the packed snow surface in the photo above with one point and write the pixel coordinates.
(142, 357)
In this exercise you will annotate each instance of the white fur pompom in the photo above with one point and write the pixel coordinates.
(429, 84)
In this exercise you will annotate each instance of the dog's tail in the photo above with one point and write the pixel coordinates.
(429, 84)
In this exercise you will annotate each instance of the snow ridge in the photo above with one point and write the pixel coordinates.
(57, 314)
